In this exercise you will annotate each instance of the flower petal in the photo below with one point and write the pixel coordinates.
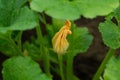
(59, 41)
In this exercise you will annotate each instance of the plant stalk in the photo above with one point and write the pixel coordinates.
(44, 50)
(39, 34)
(17, 49)
(61, 67)
(69, 67)
(20, 40)
(46, 62)
(103, 64)
(11, 41)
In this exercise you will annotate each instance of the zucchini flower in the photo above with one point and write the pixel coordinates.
(59, 41)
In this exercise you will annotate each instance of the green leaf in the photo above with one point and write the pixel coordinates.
(93, 8)
(117, 13)
(112, 71)
(65, 9)
(6, 46)
(32, 50)
(6, 10)
(79, 40)
(110, 34)
(58, 9)
(15, 17)
(17, 3)
(25, 20)
(58, 23)
(55, 27)
(22, 68)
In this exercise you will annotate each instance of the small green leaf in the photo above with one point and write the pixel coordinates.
(79, 40)
(110, 34)
(112, 71)
(22, 68)
(58, 23)
(32, 50)
(52, 29)
(6, 46)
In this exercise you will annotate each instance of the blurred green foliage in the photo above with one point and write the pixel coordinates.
(65, 9)
(112, 71)
(110, 34)
(22, 68)
(17, 16)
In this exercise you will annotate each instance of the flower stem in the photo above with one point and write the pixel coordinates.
(102, 66)
(46, 60)
(69, 67)
(19, 40)
(39, 34)
(44, 50)
(17, 49)
(61, 67)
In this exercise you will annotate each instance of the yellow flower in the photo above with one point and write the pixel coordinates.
(59, 41)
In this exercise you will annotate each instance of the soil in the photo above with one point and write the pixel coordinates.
(2, 59)
(85, 64)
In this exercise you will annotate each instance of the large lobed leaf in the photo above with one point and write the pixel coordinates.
(65, 9)
(22, 68)
(110, 34)
(93, 8)
(25, 20)
(15, 17)
(6, 9)
(79, 40)
(112, 71)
